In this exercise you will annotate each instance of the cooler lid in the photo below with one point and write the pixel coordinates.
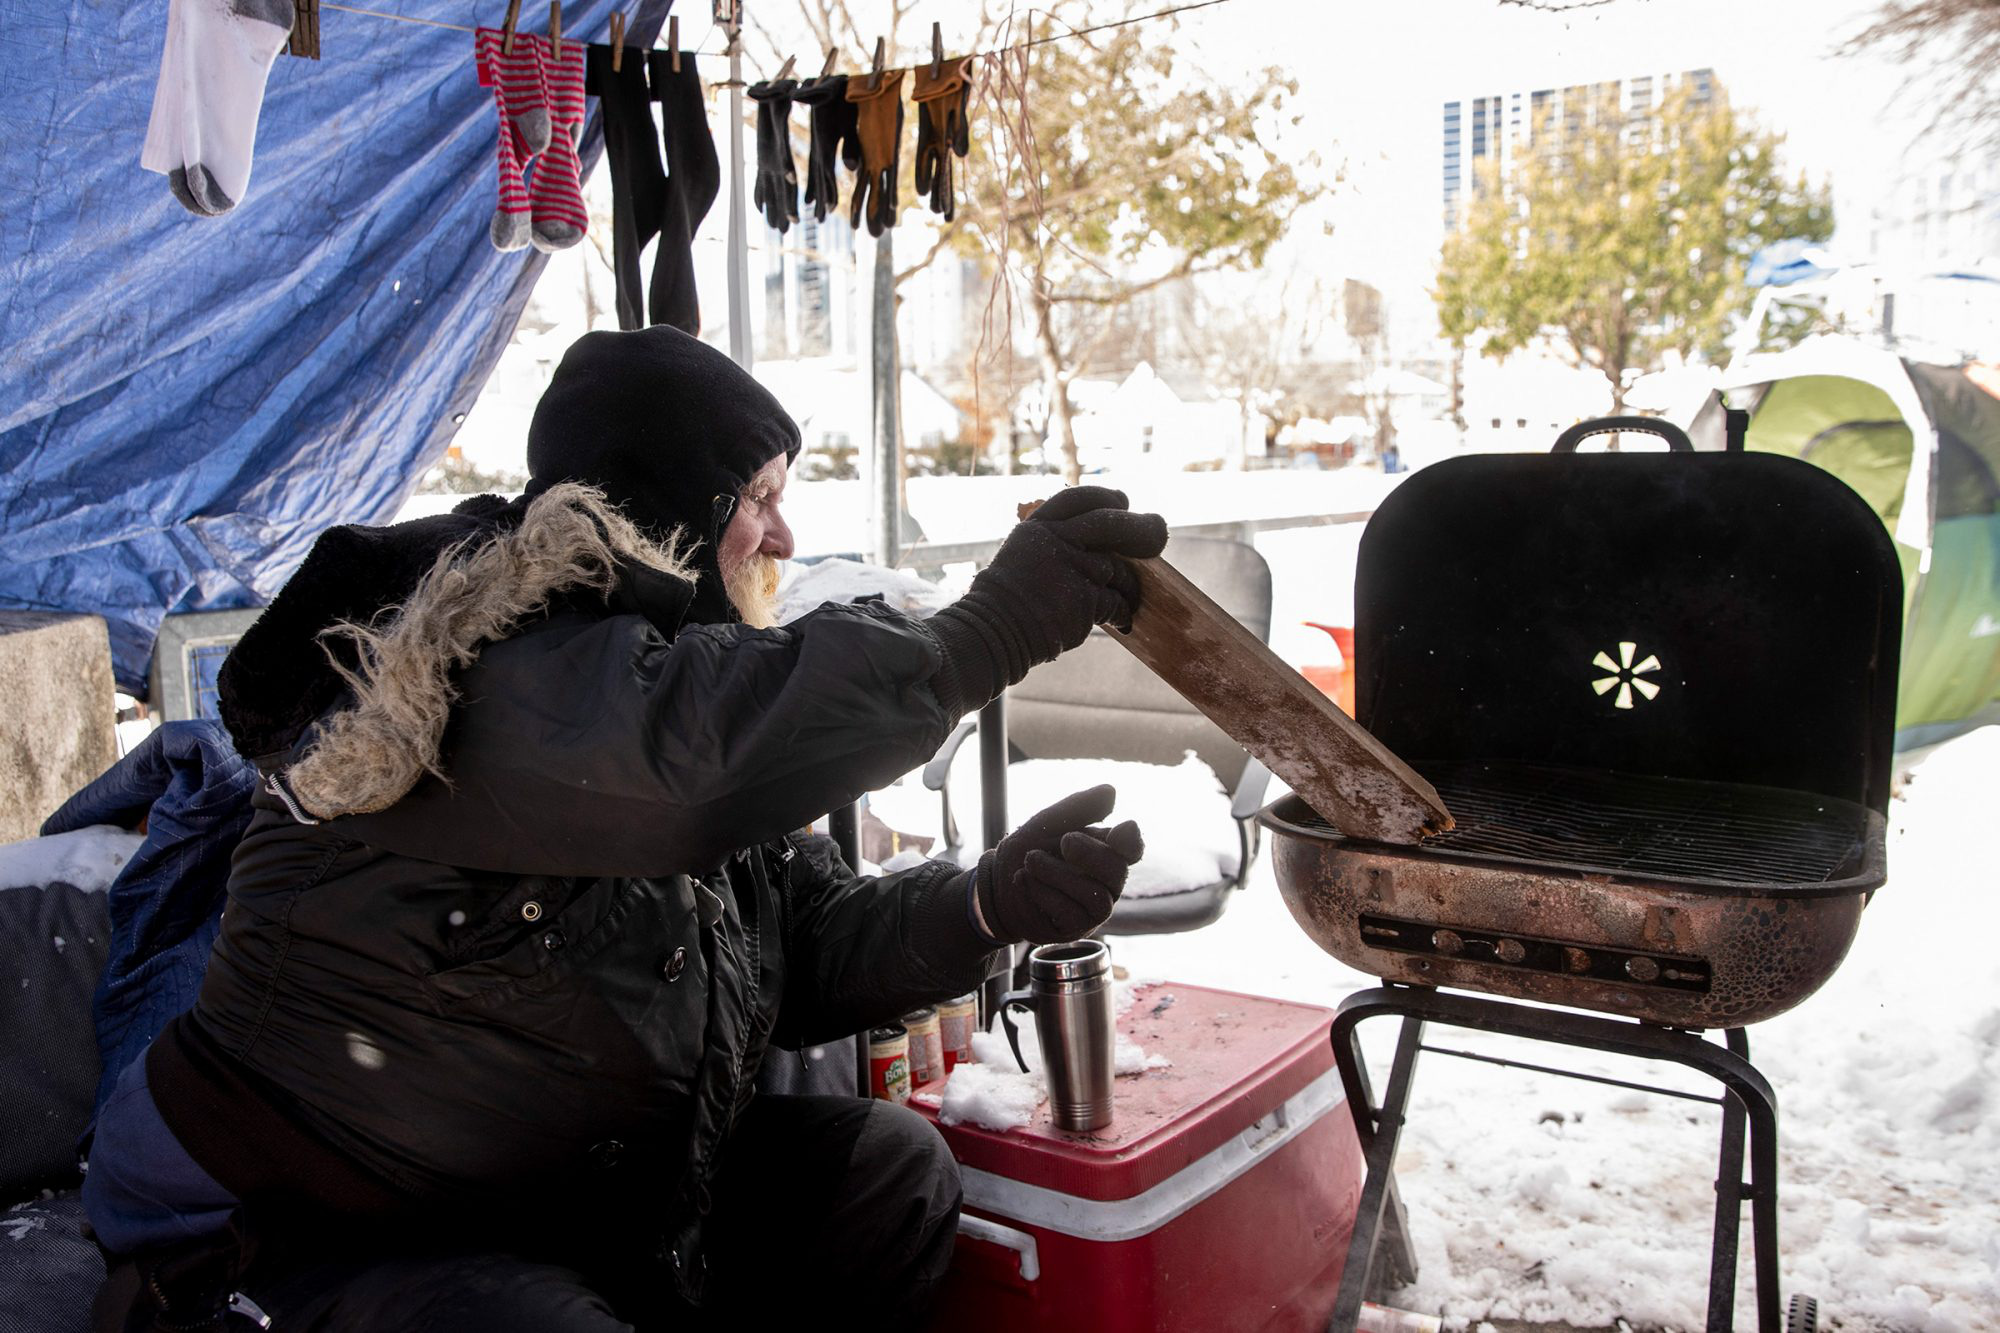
(1237, 1059)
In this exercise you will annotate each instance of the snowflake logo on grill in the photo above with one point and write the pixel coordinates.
(1625, 675)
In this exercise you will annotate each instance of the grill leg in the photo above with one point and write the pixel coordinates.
(1762, 1110)
(1378, 1130)
(1747, 1097)
(1728, 1219)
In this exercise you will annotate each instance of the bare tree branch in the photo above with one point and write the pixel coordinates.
(947, 234)
(1957, 43)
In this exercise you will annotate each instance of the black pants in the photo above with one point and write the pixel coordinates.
(823, 1205)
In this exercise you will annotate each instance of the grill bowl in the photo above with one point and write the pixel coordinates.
(1688, 904)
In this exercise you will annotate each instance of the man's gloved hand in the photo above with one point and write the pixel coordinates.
(835, 140)
(1056, 877)
(941, 131)
(879, 121)
(777, 192)
(1057, 574)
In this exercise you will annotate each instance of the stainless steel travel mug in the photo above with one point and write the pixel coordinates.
(1069, 993)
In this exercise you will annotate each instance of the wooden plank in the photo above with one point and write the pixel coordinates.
(1328, 758)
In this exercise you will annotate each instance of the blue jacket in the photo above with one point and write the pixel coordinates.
(192, 789)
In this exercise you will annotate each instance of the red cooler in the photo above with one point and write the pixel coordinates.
(1220, 1197)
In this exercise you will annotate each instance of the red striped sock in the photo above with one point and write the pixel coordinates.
(518, 81)
(555, 188)
(512, 219)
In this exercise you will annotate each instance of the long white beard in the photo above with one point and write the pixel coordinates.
(753, 590)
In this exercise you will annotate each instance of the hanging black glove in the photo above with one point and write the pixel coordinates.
(1057, 574)
(834, 138)
(1057, 877)
(777, 176)
(941, 131)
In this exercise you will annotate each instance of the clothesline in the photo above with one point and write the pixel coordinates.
(1168, 12)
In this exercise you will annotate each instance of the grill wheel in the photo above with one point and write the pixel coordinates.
(1803, 1316)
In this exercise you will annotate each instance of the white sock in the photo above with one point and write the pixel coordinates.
(211, 87)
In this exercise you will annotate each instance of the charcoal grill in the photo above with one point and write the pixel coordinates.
(1657, 693)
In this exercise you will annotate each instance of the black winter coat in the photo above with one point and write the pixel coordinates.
(551, 982)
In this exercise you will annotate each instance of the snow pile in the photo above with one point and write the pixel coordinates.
(1130, 1058)
(837, 579)
(991, 1096)
(89, 858)
(1539, 1198)
(991, 1091)
(1182, 811)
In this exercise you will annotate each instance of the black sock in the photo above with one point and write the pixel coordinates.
(638, 185)
(693, 176)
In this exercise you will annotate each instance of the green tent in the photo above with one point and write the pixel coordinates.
(1921, 444)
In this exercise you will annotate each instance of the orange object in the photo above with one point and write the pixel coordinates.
(1335, 682)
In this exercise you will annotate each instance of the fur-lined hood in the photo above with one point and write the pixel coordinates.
(353, 666)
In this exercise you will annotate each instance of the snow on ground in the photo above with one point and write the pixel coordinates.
(1540, 1198)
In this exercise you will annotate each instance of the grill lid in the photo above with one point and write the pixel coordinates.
(1715, 617)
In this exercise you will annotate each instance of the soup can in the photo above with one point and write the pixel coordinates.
(957, 1020)
(889, 1063)
(926, 1048)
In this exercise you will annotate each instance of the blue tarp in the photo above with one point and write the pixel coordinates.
(1782, 263)
(187, 402)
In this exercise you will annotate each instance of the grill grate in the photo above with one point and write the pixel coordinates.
(1658, 828)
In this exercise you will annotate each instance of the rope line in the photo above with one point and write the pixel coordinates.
(398, 18)
(1168, 12)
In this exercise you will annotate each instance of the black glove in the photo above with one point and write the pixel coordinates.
(777, 176)
(1055, 576)
(1056, 878)
(834, 138)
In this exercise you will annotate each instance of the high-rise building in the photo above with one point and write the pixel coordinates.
(1494, 128)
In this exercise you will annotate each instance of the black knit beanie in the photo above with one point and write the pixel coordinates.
(669, 428)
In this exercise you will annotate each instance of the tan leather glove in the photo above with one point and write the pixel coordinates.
(879, 121)
(940, 130)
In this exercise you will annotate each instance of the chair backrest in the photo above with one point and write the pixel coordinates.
(1100, 702)
(186, 657)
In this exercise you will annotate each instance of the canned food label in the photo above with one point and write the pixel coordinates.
(892, 1078)
(926, 1056)
(955, 1031)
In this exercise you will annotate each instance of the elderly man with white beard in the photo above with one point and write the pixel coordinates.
(525, 902)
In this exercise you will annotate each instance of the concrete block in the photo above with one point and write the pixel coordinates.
(58, 713)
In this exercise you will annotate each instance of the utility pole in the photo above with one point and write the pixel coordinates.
(885, 447)
(729, 14)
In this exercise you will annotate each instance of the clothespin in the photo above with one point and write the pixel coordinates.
(937, 50)
(674, 40)
(304, 40)
(555, 28)
(617, 41)
(784, 70)
(832, 54)
(875, 75)
(513, 17)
